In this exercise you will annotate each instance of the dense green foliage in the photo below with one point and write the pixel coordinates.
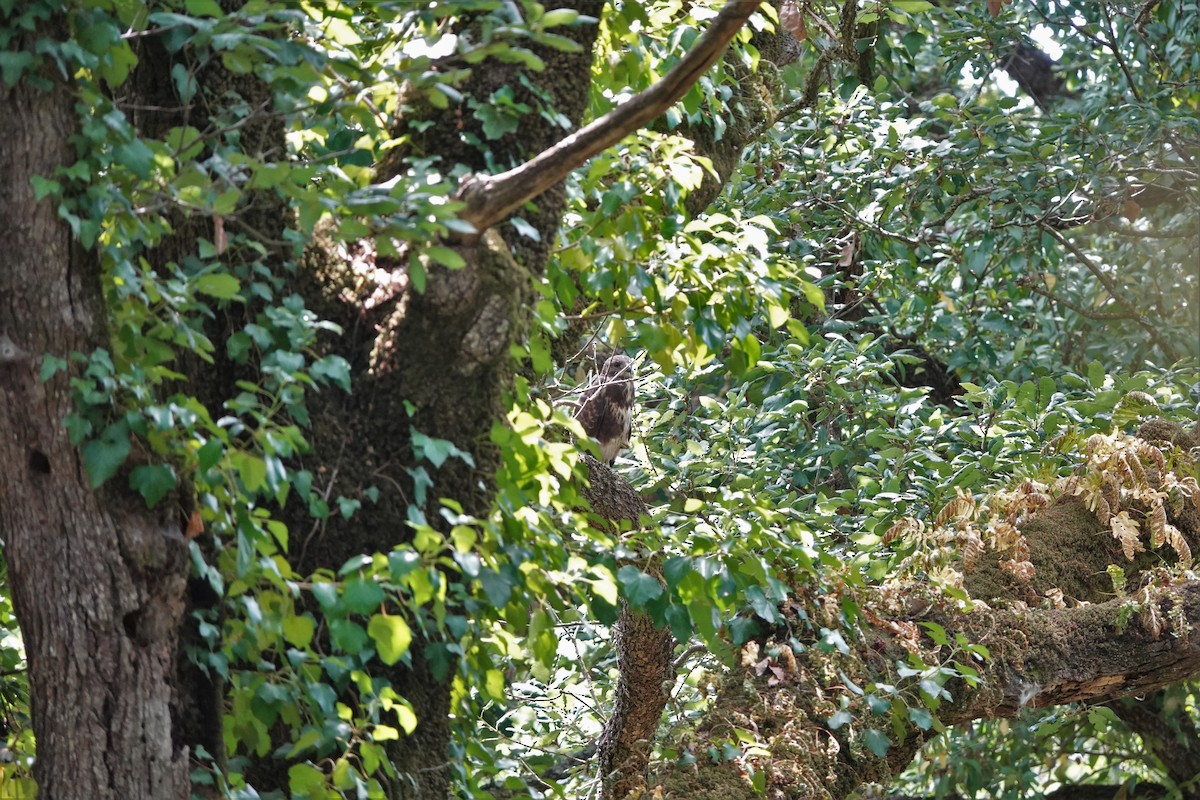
(879, 313)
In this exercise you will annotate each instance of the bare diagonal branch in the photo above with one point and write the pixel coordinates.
(491, 198)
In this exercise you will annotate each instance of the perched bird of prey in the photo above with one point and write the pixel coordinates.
(606, 410)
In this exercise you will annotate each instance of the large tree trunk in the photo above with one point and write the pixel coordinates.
(97, 579)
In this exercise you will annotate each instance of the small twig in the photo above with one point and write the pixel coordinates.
(688, 653)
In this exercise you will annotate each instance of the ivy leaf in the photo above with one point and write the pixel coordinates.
(640, 588)
(218, 285)
(362, 596)
(877, 742)
(445, 256)
(299, 630)
(152, 482)
(104, 456)
(204, 8)
(392, 637)
(348, 636)
(839, 719)
(497, 586)
(305, 780)
(919, 717)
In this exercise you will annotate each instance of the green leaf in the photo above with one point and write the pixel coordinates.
(12, 64)
(204, 8)
(305, 780)
(921, 717)
(253, 471)
(392, 638)
(152, 482)
(839, 719)
(877, 741)
(332, 368)
(445, 256)
(348, 636)
(362, 596)
(406, 717)
(209, 454)
(51, 366)
(104, 456)
(912, 6)
(559, 16)
(299, 630)
(217, 284)
(639, 587)
(497, 586)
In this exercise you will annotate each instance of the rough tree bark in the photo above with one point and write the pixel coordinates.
(97, 579)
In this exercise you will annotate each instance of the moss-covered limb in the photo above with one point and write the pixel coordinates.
(1097, 652)
(782, 701)
(644, 658)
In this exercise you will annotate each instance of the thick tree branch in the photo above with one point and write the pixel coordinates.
(1035, 72)
(1039, 657)
(644, 656)
(491, 198)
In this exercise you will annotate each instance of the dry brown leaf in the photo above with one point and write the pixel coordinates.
(1158, 524)
(846, 258)
(972, 549)
(902, 528)
(1179, 544)
(960, 508)
(1020, 549)
(195, 526)
(1125, 530)
(1003, 534)
(792, 19)
(1021, 570)
(220, 241)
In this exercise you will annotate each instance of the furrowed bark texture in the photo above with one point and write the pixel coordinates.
(97, 579)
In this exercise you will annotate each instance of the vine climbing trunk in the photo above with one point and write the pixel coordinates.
(97, 580)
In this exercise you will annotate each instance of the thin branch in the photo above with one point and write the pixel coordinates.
(1114, 291)
(1032, 286)
(491, 198)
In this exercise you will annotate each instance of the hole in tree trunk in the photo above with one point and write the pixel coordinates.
(39, 462)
